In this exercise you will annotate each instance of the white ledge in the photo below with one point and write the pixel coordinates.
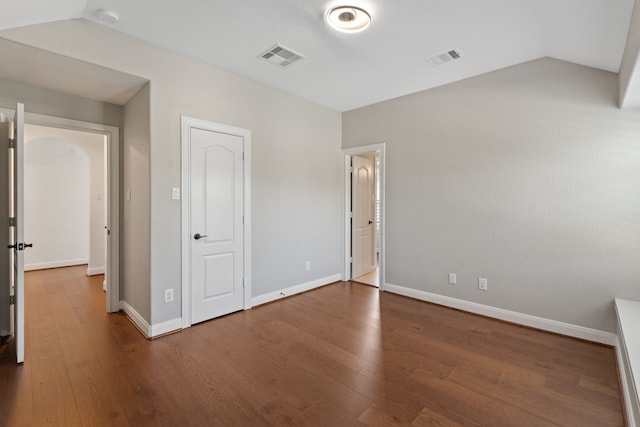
(629, 352)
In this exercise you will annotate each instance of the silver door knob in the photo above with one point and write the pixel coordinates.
(199, 236)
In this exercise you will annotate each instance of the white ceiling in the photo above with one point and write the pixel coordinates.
(346, 71)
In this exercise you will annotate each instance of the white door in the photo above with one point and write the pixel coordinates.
(362, 206)
(216, 223)
(16, 211)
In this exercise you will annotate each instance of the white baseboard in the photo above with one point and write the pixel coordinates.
(628, 354)
(166, 327)
(55, 264)
(94, 271)
(292, 290)
(136, 318)
(631, 401)
(148, 330)
(568, 329)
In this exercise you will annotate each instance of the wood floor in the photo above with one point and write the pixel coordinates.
(371, 278)
(342, 355)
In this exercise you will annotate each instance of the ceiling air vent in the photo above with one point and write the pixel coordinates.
(444, 57)
(280, 55)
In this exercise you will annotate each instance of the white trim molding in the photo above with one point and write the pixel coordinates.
(150, 331)
(94, 271)
(548, 325)
(629, 394)
(55, 264)
(628, 355)
(297, 289)
(167, 327)
(136, 319)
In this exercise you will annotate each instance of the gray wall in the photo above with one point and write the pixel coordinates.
(296, 170)
(135, 227)
(526, 176)
(52, 103)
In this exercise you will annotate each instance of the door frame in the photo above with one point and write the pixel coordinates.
(188, 123)
(112, 133)
(348, 153)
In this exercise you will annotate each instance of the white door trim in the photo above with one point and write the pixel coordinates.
(113, 162)
(348, 152)
(187, 124)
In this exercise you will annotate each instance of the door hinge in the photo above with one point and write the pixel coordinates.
(242, 219)
(350, 169)
(350, 214)
(350, 260)
(12, 221)
(12, 143)
(243, 156)
(12, 300)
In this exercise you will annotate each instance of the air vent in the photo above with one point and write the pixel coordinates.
(280, 55)
(444, 57)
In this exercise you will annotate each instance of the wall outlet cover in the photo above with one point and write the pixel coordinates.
(452, 278)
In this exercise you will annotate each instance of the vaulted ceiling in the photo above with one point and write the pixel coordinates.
(346, 71)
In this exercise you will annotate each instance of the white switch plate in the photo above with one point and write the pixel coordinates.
(128, 194)
(482, 283)
(308, 265)
(452, 278)
(175, 193)
(168, 296)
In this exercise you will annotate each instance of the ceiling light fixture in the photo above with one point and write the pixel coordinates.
(349, 19)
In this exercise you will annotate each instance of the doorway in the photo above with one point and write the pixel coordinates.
(65, 176)
(364, 214)
(110, 195)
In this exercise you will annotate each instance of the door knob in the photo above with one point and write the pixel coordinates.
(199, 236)
(370, 222)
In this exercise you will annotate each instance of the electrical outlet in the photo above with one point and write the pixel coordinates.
(482, 283)
(308, 265)
(452, 278)
(168, 296)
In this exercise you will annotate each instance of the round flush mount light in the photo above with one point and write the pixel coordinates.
(349, 19)
(108, 16)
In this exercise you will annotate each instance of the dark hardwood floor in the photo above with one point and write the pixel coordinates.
(342, 355)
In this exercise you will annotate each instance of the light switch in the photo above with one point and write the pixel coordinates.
(128, 194)
(175, 193)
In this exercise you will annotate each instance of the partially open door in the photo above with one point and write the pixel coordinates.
(362, 206)
(16, 226)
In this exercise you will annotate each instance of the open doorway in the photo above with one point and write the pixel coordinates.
(364, 214)
(104, 222)
(65, 184)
